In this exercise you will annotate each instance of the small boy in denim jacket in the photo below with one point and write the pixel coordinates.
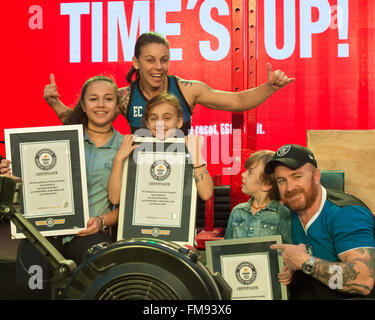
(263, 215)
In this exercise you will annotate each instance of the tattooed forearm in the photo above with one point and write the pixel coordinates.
(369, 254)
(200, 176)
(64, 116)
(355, 275)
(347, 272)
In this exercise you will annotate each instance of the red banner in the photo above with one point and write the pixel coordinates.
(76, 40)
(325, 45)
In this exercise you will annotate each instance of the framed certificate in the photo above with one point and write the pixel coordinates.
(249, 266)
(158, 195)
(51, 163)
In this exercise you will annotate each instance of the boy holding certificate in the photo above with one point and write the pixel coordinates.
(262, 215)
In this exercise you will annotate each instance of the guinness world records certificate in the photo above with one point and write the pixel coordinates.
(242, 271)
(249, 266)
(47, 178)
(158, 195)
(51, 163)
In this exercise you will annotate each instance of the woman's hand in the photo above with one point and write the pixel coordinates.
(277, 79)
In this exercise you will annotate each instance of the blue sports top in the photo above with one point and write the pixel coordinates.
(340, 224)
(137, 103)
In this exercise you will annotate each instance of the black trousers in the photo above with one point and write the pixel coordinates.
(29, 259)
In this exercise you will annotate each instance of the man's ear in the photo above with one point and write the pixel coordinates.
(317, 175)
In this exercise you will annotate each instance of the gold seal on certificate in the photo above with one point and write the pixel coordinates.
(51, 163)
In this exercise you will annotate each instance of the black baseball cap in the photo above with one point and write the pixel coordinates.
(292, 156)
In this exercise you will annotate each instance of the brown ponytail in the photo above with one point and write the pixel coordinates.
(130, 73)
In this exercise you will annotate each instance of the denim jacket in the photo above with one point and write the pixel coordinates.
(273, 220)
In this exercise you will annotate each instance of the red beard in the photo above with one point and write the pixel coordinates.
(310, 197)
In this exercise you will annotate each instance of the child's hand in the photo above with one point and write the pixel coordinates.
(6, 170)
(5, 167)
(126, 147)
(194, 145)
(50, 93)
(285, 276)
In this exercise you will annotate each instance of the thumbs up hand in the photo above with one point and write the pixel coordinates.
(50, 93)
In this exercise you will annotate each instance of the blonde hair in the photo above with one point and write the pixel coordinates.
(163, 98)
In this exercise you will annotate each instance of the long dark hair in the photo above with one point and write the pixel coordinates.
(144, 39)
(78, 116)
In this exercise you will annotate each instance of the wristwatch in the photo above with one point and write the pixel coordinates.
(308, 266)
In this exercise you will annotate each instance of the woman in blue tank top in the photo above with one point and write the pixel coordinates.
(151, 66)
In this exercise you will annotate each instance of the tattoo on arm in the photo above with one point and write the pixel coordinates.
(350, 272)
(190, 83)
(65, 115)
(199, 177)
(185, 83)
(371, 261)
(124, 99)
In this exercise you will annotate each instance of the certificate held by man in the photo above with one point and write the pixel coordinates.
(249, 276)
(249, 266)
